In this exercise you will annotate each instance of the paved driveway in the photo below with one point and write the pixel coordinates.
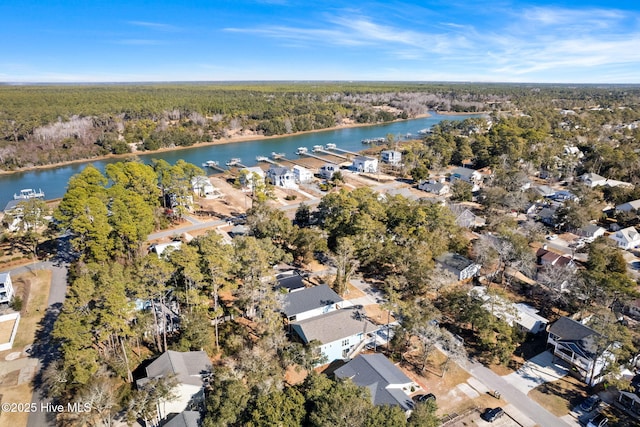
(538, 370)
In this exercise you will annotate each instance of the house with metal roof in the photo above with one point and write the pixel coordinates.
(189, 370)
(580, 346)
(340, 334)
(311, 302)
(387, 384)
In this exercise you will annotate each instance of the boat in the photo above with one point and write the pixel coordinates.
(210, 164)
(317, 148)
(426, 131)
(330, 146)
(262, 159)
(302, 150)
(233, 162)
(28, 193)
(277, 156)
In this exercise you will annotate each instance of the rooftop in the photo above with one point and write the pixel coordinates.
(188, 367)
(309, 299)
(333, 326)
(383, 379)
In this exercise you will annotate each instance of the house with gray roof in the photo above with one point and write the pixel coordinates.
(184, 419)
(387, 384)
(365, 164)
(281, 177)
(461, 267)
(435, 187)
(626, 238)
(578, 345)
(189, 369)
(471, 176)
(591, 231)
(311, 302)
(633, 205)
(340, 333)
(391, 157)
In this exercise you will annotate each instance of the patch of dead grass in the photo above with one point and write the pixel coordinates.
(559, 396)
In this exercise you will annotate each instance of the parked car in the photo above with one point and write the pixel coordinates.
(492, 414)
(552, 237)
(598, 421)
(424, 397)
(590, 403)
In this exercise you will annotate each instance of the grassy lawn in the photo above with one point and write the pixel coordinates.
(558, 397)
(34, 305)
(34, 289)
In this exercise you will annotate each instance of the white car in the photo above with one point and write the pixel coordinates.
(552, 237)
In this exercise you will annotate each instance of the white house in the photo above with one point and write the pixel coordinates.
(461, 267)
(633, 205)
(302, 175)
(247, 175)
(627, 238)
(340, 333)
(189, 370)
(311, 302)
(471, 176)
(281, 177)
(6, 288)
(328, 170)
(202, 186)
(577, 344)
(435, 187)
(365, 164)
(468, 219)
(522, 316)
(391, 157)
(387, 383)
(591, 231)
(594, 180)
(161, 248)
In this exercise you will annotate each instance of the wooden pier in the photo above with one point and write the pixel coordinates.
(329, 153)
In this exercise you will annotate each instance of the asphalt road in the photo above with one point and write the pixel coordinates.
(515, 397)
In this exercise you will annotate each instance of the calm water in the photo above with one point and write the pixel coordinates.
(53, 181)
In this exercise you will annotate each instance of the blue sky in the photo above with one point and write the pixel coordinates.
(443, 40)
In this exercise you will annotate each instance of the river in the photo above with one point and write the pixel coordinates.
(53, 181)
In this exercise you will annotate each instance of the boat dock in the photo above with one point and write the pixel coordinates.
(266, 160)
(213, 165)
(313, 156)
(333, 147)
(320, 149)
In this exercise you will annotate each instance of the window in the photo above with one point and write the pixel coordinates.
(345, 342)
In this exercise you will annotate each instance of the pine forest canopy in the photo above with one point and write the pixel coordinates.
(45, 124)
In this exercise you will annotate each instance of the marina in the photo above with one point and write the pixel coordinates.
(346, 138)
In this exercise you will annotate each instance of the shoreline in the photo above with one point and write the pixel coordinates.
(223, 141)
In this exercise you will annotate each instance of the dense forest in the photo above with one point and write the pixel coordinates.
(42, 125)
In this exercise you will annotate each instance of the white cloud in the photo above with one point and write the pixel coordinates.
(154, 25)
